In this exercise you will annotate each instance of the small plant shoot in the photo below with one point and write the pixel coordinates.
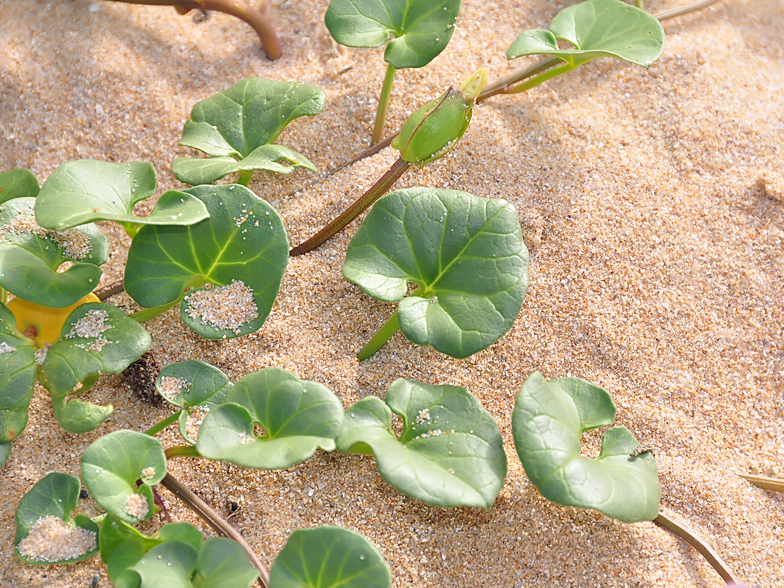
(548, 421)
(238, 126)
(465, 255)
(329, 557)
(414, 31)
(85, 191)
(47, 532)
(450, 452)
(235, 259)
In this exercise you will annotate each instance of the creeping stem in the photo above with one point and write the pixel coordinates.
(692, 539)
(237, 8)
(383, 103)
(388, 329)
(374, 193)
(214, 520)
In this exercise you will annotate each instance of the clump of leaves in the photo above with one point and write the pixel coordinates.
(237, 129)
(466, 256)
(450, 452)
(548, 421)
(414, 31)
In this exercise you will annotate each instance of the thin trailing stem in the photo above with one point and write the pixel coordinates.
(215, 521)
(158, 427)
(383, 104)
(541, 78)
(237, 8)
(386, 331)
(693, 7)
(682, 531)
(181, 451)
(765, 482)
(374, 193)
(110, 291)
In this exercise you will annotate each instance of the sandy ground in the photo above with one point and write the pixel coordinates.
(653, 206)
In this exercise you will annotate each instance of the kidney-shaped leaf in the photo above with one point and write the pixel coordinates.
(18, 183)
(113, 464)
(328, 557)
(465, 253)
(46, 533)
(237, 127)
(596, 28)
(450, 452)
(18, 372)
(297, 417)
(84, 191)
(420, 29)
(31, 255)
(548, 421)
(242, 250)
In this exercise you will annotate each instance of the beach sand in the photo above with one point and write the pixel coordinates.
(652, 202)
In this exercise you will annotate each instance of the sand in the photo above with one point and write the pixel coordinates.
(653, 206)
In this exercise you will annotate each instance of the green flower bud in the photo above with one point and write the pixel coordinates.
(435, 128)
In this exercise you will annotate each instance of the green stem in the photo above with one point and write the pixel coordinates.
(244, 177)
(374, 193)
(386, 331)
(182, 451)
(131, 229)
(157, 428)
(540, 79)
(214, 520)
(147, 314)
(3, 295)
(639, 4)
(383, 104)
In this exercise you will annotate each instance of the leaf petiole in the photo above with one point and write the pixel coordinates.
(244, 177)
(383, 104)
(383, 335)
(182, 451)
(158, 427)
(540, 79)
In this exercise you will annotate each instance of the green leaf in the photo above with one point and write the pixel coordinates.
(18, 372)
(48, 505)
(84, 191)
(597, 28)
(113, 464)
(465, 253)
(243, 245)
(5, 452)
(547, 423)
(420, 29)
(31, 255)
(297, 417)
(17, 183)
(223, 563)
(170, 564)
(329, 557)
(450, 452)
(241, 123)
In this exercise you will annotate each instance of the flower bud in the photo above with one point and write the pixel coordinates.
(436, 127)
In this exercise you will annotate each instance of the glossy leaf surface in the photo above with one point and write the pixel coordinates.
(84, 191)
(297, 417)
(329, 557)
(465, 253)
(113, 464)
(30, 257)
(450, 452)
(596, 28)
(243, 240)
(18, 372)
(548, 421)
(420, 29)
(18, 183)
(238, 126)
(55, 495)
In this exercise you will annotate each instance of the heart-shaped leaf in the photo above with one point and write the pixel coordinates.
(18, 372)
(329, 557)
(241, 123)
(84, 191)
(31, 255)
(596, 28)
(465, 253)
(548, 421)
(196, 386)
(242, 249)
(450, 452)
(419, 29)
(297, 417)
(113, 464)
(46, 533)
(18, 183)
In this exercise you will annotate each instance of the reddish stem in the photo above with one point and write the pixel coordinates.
(237, 8)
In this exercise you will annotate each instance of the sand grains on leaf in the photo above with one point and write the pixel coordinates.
(90, 325)
(52, 539)
(136, 506)
(74, 243)
(173, 388)
(225, 307)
